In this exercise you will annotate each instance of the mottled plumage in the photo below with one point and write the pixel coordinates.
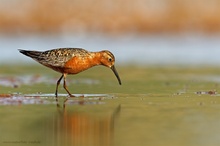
(56, 57)
(72, 61)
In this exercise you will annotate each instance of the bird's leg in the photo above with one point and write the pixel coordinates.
(58, 83)
(65, 87)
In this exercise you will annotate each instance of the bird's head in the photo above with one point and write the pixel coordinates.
(108, 60)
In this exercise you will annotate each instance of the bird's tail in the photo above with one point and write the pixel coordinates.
(32, 54)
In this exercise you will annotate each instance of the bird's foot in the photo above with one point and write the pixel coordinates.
(70, 95)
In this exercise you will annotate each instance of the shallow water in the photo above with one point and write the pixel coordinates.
(122, 120)
(158, 106)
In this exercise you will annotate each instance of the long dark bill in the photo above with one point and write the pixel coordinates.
(116, 74)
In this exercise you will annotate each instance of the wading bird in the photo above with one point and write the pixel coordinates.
(72, 61)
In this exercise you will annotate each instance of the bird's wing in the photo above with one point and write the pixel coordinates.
(58, 57)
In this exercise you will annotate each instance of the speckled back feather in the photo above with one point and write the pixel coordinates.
(55, 57)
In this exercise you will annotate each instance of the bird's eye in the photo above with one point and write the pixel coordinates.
(110, 59)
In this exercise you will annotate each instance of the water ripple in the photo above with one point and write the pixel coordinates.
(24, 99)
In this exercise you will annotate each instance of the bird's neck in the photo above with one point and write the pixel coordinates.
(95, 58)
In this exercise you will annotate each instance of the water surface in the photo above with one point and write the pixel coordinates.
(154, 106)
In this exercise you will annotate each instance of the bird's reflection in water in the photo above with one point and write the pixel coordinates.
(67, 127)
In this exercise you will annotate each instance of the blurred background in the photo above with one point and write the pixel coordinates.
(139, 32)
